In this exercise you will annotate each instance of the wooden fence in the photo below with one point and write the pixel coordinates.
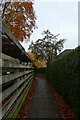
(15, 81)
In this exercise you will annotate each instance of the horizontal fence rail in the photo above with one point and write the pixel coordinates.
(15, 81)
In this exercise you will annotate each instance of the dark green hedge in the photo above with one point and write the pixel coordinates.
(64, 76)
(40, 70)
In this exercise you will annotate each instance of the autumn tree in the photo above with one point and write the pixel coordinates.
(39, 63)
(48, 47)
(19, 17)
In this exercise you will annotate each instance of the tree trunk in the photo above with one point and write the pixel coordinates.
(55, 54)
(47, 69)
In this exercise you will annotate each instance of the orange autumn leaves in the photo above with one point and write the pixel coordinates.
(20, 18)
(39, 63)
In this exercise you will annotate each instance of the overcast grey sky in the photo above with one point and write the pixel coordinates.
(79, 23)
(59, 17)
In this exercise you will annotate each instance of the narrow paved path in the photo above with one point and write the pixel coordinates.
(43, 105)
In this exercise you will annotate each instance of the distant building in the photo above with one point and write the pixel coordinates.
(64, 53)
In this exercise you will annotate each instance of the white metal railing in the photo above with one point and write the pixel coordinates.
(15, 81)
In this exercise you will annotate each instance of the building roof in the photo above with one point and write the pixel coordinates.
(64, 53)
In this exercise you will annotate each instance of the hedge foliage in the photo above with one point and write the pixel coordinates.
(64, 76)
(40, 70)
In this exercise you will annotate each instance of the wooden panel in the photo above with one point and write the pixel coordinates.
(7, 78)
(8, 61)
(15, 79)
(16, 75)
(9, 103)
(14, 87)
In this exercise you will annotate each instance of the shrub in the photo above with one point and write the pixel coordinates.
(64, 76)
(40, 70)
